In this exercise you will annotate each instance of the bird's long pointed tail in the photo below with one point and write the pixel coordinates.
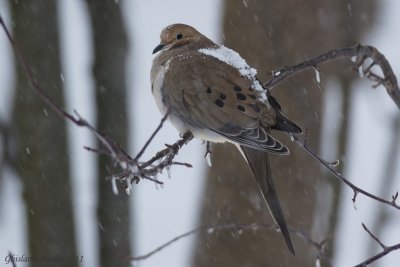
(260, 166)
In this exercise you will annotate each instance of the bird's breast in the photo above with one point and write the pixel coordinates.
(157, 81)
(158, 72)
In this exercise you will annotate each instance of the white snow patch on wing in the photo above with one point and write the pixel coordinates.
(232, 58)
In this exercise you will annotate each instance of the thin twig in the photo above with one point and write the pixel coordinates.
(373, 236)
(328, 165)
(33, 82)
(132, 170)
(166, 156)
(171, 150)
(208, 149)
(152, 136)
(232, 226)
(386, 249)
(182, 164)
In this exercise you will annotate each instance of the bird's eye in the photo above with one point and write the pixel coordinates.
(179, 36)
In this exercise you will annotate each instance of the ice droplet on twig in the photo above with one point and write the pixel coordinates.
(361, 72)
(114, 185)
(208, 159)
(334, 163)
(317, 75)
(128, 186)
(168, 168)
(317, 262)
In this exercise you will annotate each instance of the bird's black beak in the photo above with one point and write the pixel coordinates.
(158, 48)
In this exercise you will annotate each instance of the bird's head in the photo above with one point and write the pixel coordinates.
(177, 35)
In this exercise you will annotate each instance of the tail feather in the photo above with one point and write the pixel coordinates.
(259, 164)
(286, 125)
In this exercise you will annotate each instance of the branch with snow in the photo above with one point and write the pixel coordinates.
(359, 54)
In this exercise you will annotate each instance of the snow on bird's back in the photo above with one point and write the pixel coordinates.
(232, 58)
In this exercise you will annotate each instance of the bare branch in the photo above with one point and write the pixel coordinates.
(152, 136)
(320, 246)
(33, 82)
(131, 169)
(328, 165)
(361, 53)
(373, 236)
(208, 149)
(386, 250)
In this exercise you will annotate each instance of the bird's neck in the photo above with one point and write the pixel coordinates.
(188, 48)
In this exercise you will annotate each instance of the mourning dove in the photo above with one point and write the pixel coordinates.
(210, 91)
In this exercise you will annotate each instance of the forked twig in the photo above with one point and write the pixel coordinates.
(329, 166)
(385, 249)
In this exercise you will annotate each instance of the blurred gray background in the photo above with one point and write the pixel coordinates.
(95, 57)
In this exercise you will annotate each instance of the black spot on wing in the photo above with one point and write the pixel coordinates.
(241, 108)
(209, 90)
(237, 88)
(222, 96)
(241, 96)
(219, 103)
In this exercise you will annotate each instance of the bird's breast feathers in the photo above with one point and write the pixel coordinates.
(158, 76)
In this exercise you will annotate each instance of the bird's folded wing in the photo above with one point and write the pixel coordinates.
(210, 94)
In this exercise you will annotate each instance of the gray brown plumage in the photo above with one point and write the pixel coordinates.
(210, 91)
